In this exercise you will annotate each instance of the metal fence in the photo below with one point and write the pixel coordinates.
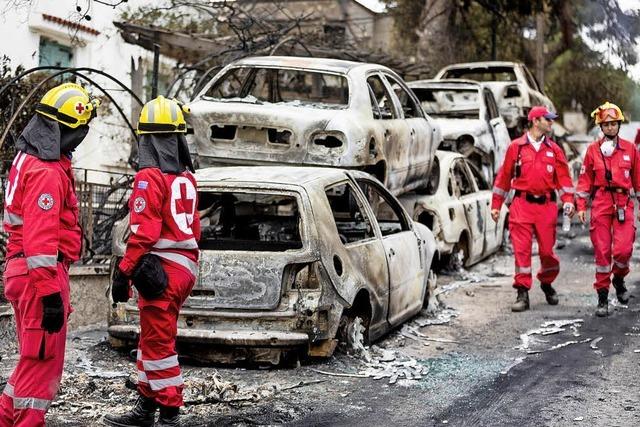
(102, 198)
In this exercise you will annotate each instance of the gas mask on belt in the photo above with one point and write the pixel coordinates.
(607, 147)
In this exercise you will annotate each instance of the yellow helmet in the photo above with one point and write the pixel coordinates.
(69, 104)
(607, 112)
(162, 115)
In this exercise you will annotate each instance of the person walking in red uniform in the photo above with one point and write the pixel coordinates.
(609, 172)
(534, 166)
(41, 217)
(161, 259)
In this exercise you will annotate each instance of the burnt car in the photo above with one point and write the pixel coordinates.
(469, 120)
(293, 258)
(458, 211)
(314, 112)
(514, 87)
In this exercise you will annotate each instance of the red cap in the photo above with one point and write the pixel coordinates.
(541, 111)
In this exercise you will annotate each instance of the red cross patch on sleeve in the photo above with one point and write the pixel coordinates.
(45, 201)
(139, 204)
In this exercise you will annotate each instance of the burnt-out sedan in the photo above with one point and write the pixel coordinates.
(314, 112)
(458, 211)
(293, 258)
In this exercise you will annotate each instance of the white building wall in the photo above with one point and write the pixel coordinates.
(107, 145)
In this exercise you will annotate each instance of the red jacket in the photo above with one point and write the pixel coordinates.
(623, 164)
(41, 217)
(542, 171)
(164, 219)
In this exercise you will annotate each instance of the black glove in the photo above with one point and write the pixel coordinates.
(52, 313)
(120, 286)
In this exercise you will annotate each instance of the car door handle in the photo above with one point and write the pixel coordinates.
(387, 133)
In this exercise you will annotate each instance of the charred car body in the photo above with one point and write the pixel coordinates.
(314, 112)
(469, 120)
(516, 90)
(458, 211)
(292, 257)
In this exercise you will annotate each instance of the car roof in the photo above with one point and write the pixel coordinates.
(482, 64)
(323, 64)
(444, 83)
(286, 175)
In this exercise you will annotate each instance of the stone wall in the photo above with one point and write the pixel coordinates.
(88, 297)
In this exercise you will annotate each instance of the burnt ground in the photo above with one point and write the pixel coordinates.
(476, 368)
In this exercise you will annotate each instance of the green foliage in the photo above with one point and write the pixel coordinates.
(584, 77)
(11, 100)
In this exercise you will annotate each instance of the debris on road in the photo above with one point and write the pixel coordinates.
(551, 327)
(594, 343)
(516, 362)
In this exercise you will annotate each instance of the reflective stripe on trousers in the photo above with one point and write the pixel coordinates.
(26, 402)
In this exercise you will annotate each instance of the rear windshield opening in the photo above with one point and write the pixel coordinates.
(454, 103)
(281, 85)
(484, 74)
(249, 222)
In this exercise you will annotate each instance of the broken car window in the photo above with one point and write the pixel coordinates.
(454, 103)
(382, 98)
(387, 212)
(480, 181)
(351, 222)
(249, 221)
(462, 179)
(409, 107)
(282, 85)
(482, 74)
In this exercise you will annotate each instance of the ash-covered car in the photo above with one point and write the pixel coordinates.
(516, 90)
(458, 211)
(314, 112)
(469, 120)
(293, 258)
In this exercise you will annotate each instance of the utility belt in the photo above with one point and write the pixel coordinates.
(618, 190)
(535, 198)
(61, 257)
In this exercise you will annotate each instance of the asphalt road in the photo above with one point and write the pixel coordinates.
(486, 366)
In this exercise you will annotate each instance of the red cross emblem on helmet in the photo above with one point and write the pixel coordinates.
(80, 107)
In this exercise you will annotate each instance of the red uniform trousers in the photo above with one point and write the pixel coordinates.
(159, 375)
(35, 380)
(609, 235)
(525, 219)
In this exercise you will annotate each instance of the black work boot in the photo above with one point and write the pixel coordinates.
(169, 416)
(142, 415)
(522, 301)
(621, 289)
(550, 294)
(603, 303)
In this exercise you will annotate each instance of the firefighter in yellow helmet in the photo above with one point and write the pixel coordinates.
(161, 259)
(611, 169)
(41, 217)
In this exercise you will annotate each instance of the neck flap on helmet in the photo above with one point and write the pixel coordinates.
(167, 151)
(40, 138)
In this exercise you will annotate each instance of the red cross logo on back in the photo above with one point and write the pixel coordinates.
(184, 205)
(79, 107)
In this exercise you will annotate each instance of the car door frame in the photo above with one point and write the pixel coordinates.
(421, 130)
(497, 127)
(405, 295)
(392, 132)
(375, 283)
(473, 209)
